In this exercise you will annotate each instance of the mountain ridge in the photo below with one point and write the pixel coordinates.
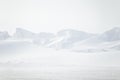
(68, 38)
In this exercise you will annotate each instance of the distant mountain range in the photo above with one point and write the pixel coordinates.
(108, 40)
(66, 38)
(4, 35)
(23, 34)
(74, 40)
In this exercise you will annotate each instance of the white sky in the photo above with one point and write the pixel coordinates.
(54, 15)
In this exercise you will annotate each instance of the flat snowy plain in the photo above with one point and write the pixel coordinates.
(36, 63)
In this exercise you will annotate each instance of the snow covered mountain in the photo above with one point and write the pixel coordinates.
(69, 39)
(43, 38)
(111, 35)
(21, 59)
(108, 40)
(23, 34)
(66, 38)
(4, 35)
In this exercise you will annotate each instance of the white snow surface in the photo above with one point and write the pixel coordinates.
(23, 60)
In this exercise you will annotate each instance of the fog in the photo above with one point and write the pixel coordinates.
(59, 40)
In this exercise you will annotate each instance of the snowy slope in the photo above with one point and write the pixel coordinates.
(23, 34)
(108, 40)
(23, 60)
(111, 35)
(9, 47)
(69, 39)
(43, 38)
(66, 38)
(49, 57)
(47, 64)
(4, 35)
(108, 36)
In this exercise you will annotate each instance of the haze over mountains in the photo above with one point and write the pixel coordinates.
(67, 39)
(65, 55)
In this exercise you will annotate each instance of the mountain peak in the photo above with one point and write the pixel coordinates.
(115, 30)
(111, 35)
(23, 33)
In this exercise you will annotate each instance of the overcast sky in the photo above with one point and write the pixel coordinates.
(54, 15)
